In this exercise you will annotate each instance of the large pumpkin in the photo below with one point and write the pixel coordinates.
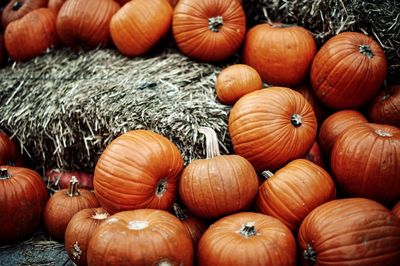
(385, 108)
(139, 169)
(16, 9)
(219, 184)
(294, 191)
(9, 151)
(271, 127)
(23, 196)
(282, 54)
(247, 238)
(140, 237)
(348, 70)
(23, 44)
(350, 232)
(334, 125)
(85, 23)
(135, 30)
(209, 30)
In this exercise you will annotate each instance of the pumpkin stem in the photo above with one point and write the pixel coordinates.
(73, 187)
(4, 174)
(382, 133)
(267, 174)
(296, 120)
(161, 187)
(248, 229)
(100, 216)
(310, 255)
(215, 23)
(179, 212)
(212, 148)
(17, 5)
(366, 50)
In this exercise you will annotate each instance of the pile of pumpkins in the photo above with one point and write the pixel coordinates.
(313, 178)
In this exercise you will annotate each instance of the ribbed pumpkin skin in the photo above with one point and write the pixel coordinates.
(351, 232)
(281, 54)
(396, 210)
(261, 130)
(223, 245)
(23, 44)
(235, 81)
(191, 31)
(55, 5)
(79, 231)
(129, 170)
(294, 191)
(366, 164)
(135, 30)
(334, 125)
(343, 77)
(22, 200)
(84, 24)
(9, 14)
(385, 108)
(9, 152)
(164, 240)
(320, 110)
(218, 186)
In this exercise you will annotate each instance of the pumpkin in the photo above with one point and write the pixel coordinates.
(247, 238)
(348, 70)
(194, 226)
(55, 5)
(219, 184)
(84, 24)
(315, 155)
(57, 179)
(79, 231)
(135, 30)
(334, 125)
(352, 231)
(9, 151)
(396, 210)
(281, 53)
(271, 127)
(294, 191)
(141, 237)
(63, 205)
(208, 30)
(23, 196)
(384, 109)
(139, 169)
(320, 110)
(235, 81)
(16, 9)
(365, 162)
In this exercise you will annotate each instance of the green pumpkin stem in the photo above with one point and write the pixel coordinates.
(179, 212)
(296, 120)
(73, 187)
(4, 174)
(17, 5)
(212, 148)
(366, 50)
(310, 255)
(248, 229)
(215, 23)
(267, 174)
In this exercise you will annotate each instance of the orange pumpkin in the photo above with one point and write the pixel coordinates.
(208, 30)
(282, 54)
(55, 5)
(315, 155)
(271, 127)
(23, 44)
(135, 30)
(384, 109)
(9, 151)
(16, 9)
(320, 110)
(235, 81)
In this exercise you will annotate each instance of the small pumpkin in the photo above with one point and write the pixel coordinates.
(84, 24)
(348, 70)
(16, 9)
(140, 237)
(55, 5)
(23, 44)
(396, 210)
(235, 81)
(321, 112)
(63, 205)
(135, 30)
(219, 184)
(79, 231)
(352, 231)
(209, 30)
(23, 196)
(247, 238)
(384, 109)
(271, 127)
(57, 179)
(334, 125)
(365, 162)
(294, 191)
(315, 155)
(139, 169)
(281, 53)
(9, 151)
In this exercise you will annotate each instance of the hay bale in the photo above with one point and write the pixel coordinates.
(64, 107)
(325, 18)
